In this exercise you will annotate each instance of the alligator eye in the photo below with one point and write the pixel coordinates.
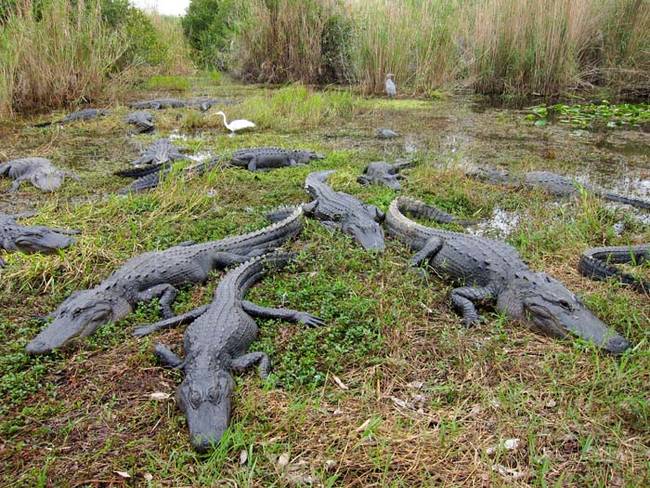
(214, 395)
(565, 305)
(195, 398)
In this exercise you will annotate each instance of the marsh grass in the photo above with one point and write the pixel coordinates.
(425, 398)
(62, 57)
(168, 82)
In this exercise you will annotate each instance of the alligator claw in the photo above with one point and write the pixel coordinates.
(308, 319)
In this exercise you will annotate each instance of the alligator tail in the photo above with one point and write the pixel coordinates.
(594, 264)
(635, 202)
(247, 274)
(139, 172)
(145, 183)
(280, 213)
(420, 209)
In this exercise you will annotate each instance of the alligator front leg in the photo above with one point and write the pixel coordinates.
(166, 294)
(282, 314)
(242, 363)
(181, 319)
(167, 357)
(252, 165)
(428, 251)
(378, 214)
(464, 298)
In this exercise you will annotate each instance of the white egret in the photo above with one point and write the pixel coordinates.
(389, 85)
(236, 125)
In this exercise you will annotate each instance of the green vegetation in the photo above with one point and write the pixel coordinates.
(596, 116)
(54, 53)
(423, 399)
(497, 46)
(167, 82)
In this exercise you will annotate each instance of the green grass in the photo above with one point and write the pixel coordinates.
(168, 82)
(425, 397)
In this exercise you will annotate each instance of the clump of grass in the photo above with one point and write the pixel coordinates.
(291, 40)
(57, 58)
(414, 40)
(297, 106)
(168, 82)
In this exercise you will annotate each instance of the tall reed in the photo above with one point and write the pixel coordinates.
(64, 56)
(283, 39)
(414, 39)
(531, 45)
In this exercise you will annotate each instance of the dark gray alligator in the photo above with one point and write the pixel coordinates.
(383, 173)
(202, 104)
(598, 264)
(553, 183)
(40, 172)
(338, 210)
(490, 270)
(261, 158)
(216, 345)
(151, 180)
(32, 238)
(85, 114)
(159, 152)
(143, 121)
(155, 274)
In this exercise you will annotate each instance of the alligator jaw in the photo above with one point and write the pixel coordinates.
(370, 237)
(205, 398)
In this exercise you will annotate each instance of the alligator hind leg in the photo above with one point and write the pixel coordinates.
(242, 363)
(167, 357)
(428, 252)
(464, 298)
(281, 313)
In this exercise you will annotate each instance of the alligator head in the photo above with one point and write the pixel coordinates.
(365, 231)
(303, 157)
(205, 398)
(35, 239)
(545, 304)
(80, 315)
(47, 180)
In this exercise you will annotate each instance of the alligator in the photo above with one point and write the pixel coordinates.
(383, 173)
(40, 172)
(155, 274)
(202, 104)
(159, 152)
(386, 134)
(598, 264)
(338, 210)
(151, 180)
(143, 121)
(216, 345)
(261, 158)
(490, 270)
(555, 184)
(85, 114)
(33, 238)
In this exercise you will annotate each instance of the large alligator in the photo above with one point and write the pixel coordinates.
(489, 270)
(40, 172)
(85, 114)
(383, 173)
(338, 210)
(155, 274)
(32, 238)
(598, 264)
(141, 120)
(216, 345)
(152, 180)
(261, 158)
(553, 183)
(202, 104)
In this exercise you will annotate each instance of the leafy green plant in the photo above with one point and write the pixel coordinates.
(592, 115)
